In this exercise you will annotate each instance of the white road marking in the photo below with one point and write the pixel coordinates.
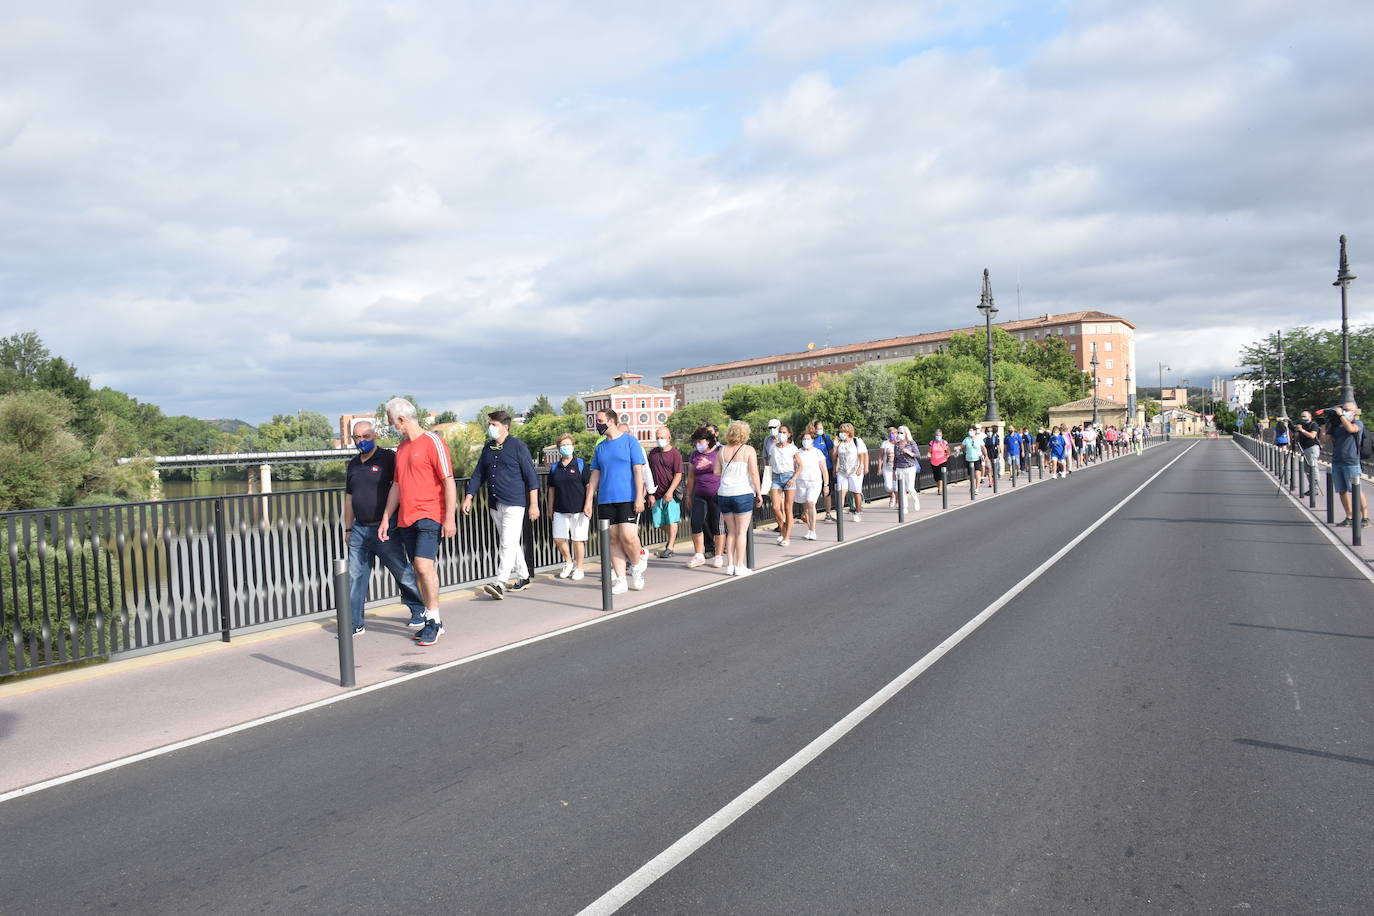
(703, 833)
(445, 666)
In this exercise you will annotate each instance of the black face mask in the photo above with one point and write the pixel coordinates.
(601, 429)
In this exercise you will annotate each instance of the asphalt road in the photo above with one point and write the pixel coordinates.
(1173, 718)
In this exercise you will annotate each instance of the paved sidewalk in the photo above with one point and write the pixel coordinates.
(66, 722)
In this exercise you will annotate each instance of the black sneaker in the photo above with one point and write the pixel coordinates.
(520, 584)
(495, 590)
(1343, 523)
(709, 554)
(665, 553)
(430, 634)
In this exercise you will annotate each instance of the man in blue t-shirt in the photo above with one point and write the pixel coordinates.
(1013, 448)
(617, 482)
(1347, 433)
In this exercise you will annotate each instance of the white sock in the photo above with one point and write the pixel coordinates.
(432, 615)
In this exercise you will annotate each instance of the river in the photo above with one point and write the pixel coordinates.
(183, 489)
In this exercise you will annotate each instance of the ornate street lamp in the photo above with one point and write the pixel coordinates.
(986, 306)
(1283, 406)
(1097, 419)
(1343, 279)
(1130, 396)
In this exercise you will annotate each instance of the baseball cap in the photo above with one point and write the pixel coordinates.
(774, 423)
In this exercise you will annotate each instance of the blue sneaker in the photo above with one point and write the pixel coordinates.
(430, 634)
(417, 620)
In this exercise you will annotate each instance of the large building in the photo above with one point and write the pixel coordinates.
(1114, 338)
(647, 407)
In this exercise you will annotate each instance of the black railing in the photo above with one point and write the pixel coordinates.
(91, 582)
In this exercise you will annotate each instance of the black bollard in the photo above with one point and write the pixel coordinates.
(1356, 512)
(607, 571)
(944, 489)
(344, 617)
(749, 543)
(901, 499)
(1312, 486)
(972, 480)
(1330, 500)
(839, 519)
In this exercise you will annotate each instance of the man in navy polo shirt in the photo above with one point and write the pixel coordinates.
(506, 468)
(366, 487)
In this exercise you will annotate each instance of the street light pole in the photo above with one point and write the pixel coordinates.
(1097, 420)
(1163, 427)
(1343, 280)
(986, 306)
(1283, 405)
(1130, 396)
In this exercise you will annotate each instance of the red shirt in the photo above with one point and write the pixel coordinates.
(422, 466)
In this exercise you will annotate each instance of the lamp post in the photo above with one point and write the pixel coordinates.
(1130, 396)
(1283, 406)
(1343, 279)
(985, 305)
(1163, 427)
(1097, 420)
(1264, 393)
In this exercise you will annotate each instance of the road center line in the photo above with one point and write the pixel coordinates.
(703, 833)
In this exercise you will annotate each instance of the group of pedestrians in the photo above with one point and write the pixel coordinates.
(1342, 429)
(399, 505)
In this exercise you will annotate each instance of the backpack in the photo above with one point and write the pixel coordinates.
(1366, 447)
(939, 451)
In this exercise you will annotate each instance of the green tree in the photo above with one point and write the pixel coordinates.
(42, 462)
(685, 420)
(572, 404)
(489, 409)
(544, 430)
(421, 414)
(1312, 367)
(540, 408)
(21, 356)
(446, 416)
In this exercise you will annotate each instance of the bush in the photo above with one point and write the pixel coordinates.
(74, 590)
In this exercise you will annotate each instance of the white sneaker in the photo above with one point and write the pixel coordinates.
(743, 571)
(619, 586)
(858, 517)
(577, 575)
(810, 536)
(784, 543)
(718, 561)
(637, 583)
(729, 570)
(565, 571)
(643, 564)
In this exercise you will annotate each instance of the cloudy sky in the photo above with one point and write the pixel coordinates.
(235, 210)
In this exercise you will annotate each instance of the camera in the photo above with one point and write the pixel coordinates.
(1331, 416)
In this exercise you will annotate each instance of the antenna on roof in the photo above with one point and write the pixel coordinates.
(1018, 295)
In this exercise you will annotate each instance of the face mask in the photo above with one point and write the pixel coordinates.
(663, 444)
(701, 446)
(565, 450)
(891, 437)
(782, 437)
(820, 431)
(366, 445)
(806, 442)
(773, 432)
(844, 436)
(493, 431)
(601, 429)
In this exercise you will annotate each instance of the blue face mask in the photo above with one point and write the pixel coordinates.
(493, 431)
(565, 450)
(366, 445)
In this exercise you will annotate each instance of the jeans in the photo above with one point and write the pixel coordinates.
(363, 545)
(510, 525)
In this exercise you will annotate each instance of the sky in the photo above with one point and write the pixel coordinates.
(239, 210)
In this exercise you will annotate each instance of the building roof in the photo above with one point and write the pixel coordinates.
(932, 337)
(625, 389)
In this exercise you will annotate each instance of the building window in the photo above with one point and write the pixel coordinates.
(1073, 348)
(1110, 382)
(1107, 346)
(1109, 366)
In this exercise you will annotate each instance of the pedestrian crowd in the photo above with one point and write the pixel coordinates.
(1342, 431)
(399, 504)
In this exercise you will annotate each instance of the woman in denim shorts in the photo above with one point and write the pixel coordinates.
(782, 465)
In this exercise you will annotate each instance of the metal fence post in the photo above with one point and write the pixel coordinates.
(972, 479)
(1356, 512)
(1312, 486)
(901, 499)
(1330, 500)
(607, 599)
(222, 560)
(944, 486)
(343, 613)
(996, 464)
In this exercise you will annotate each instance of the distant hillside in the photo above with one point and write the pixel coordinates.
(232, 426)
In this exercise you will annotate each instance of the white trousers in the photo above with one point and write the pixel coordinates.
(510, 525)
(908, 478)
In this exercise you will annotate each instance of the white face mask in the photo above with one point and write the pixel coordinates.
(663, 444)
(782, 437)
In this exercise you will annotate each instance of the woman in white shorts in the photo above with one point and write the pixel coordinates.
(567, 491)
(782, 467)
(851, 460)
(809, 481)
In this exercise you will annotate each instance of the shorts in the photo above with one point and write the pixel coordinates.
(421, 540)
(938, 472)
(783, 481)
(852, 483)
(617, 513)
(1343, 477)
(742, 504)
(976, 464)
(808, 489)
(666, 511)
(570, 526)
(889, 480)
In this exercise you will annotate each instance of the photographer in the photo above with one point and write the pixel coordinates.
(1307, 439)
(1347, 437)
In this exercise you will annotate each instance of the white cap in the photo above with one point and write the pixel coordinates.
(774, 423)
